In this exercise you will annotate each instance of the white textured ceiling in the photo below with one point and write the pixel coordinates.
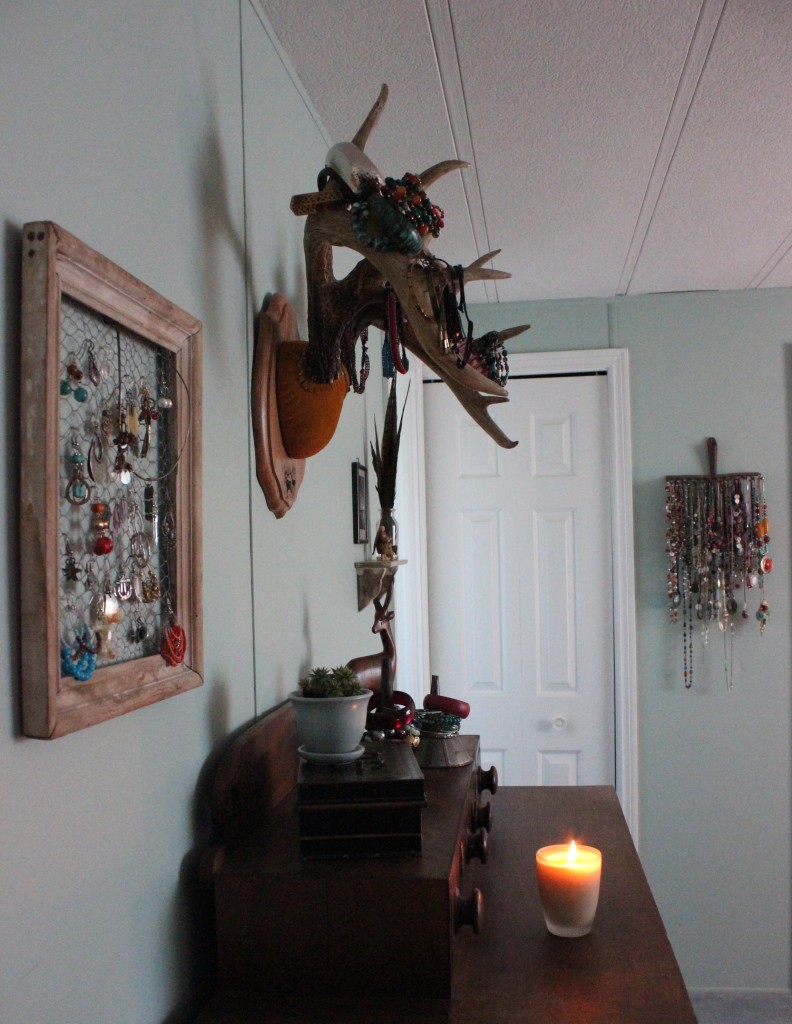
(616, 146)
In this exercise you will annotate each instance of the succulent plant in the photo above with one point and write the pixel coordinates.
(338, 682)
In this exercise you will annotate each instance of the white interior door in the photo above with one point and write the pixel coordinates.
(520, 577)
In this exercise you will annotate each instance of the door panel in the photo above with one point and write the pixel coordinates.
(520, 594)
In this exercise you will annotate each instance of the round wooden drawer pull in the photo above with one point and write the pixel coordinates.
(481, 817)
(477, 845)
(469, 910)
(488, 780)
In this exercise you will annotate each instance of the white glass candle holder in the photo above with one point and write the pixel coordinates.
(569, 884)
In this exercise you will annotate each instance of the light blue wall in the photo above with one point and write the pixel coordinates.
(124, 123)
(714, 765)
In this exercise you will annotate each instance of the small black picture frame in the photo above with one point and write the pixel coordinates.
(360, 504)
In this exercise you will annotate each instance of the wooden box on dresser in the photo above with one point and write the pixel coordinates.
(376, 926)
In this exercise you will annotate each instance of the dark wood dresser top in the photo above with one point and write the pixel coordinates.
(514, 971)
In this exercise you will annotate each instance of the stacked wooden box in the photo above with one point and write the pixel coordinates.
(371, 807)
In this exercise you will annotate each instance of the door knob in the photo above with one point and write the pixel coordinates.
(559, 723)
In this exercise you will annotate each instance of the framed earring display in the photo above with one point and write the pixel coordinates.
(110, 489)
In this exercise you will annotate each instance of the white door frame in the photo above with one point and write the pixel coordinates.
(411, 587)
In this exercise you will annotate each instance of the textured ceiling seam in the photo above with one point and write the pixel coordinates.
(443, 38)
(771, 262)
(709, 18)
(288, 67)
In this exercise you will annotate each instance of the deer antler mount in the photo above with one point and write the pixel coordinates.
(298, 387)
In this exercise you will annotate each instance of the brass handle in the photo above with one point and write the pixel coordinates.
(469, 910)
(477, 845)
(488, 780)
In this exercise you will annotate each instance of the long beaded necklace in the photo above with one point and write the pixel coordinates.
(717, 537)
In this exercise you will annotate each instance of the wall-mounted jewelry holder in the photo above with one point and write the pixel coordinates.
(717, 536)
(110, 489)
(298, 388)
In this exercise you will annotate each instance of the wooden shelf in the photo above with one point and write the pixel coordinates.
(374, 577)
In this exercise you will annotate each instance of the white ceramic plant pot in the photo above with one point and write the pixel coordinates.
(330, 725)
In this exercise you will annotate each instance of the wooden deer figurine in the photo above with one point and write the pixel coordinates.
(368, 667)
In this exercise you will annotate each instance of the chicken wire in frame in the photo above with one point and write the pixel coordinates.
(121, 596)
(110, 489)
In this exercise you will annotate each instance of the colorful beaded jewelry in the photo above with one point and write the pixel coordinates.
(103, 544)
(78, 489)
(173, 646)
(397, 216)
(79, 659)
(72, 383)
(408, 197)
(394, 333)
(394, 233)
(717, 533)
(489, 357)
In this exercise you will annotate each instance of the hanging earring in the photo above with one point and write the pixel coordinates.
(79, 659)
(148, 414)
(151, 512)
(132, 420)
(71, 571)
(123, 586)
(97, 469)
(106, 422)
(72, 383)
(108, 615)
(78, 490)
(120, 514)
(94, 373)
(139, 547)
(138, 634)
(173, 645)
(151, 588)
(103, 544)
(168, 529)
(164, 401)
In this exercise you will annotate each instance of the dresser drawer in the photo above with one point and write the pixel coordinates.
(378, 926)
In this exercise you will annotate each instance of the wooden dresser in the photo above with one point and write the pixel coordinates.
(387, 939)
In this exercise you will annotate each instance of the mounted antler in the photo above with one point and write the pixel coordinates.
(298, 388)
(348, 187)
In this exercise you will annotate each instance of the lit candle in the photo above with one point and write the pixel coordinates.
(569, 882)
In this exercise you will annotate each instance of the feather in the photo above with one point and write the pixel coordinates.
(385, 456)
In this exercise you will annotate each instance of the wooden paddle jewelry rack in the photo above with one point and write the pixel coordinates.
(717, 537)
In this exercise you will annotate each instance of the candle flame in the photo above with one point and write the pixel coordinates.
(572, 853)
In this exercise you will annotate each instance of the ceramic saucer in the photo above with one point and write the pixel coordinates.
(316, 758)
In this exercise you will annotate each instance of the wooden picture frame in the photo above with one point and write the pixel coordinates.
(110, 449)
(360, 504)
